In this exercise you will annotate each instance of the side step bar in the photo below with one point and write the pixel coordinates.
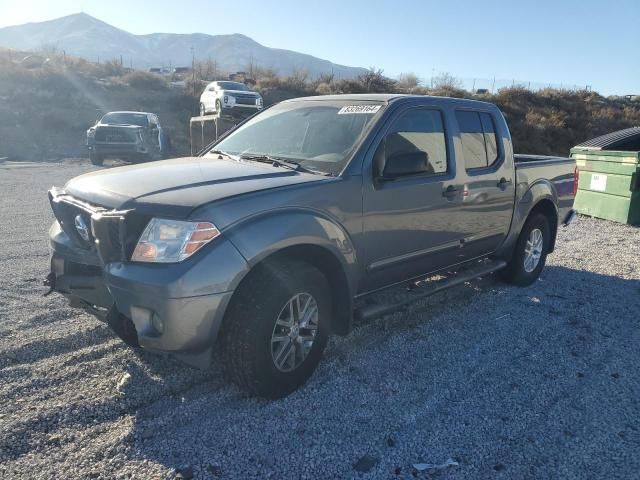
(368, 312)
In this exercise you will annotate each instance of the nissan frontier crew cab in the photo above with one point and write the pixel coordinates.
(267, 243)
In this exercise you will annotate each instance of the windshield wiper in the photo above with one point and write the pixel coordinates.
(225, 154)
(281, 162)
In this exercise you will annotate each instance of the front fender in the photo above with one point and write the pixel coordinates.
(258, 237)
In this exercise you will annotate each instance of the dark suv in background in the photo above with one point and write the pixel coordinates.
(131, 136)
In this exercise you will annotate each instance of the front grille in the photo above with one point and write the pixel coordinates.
(69, 215)
(245, 99)
(113, 234)
(115, 135)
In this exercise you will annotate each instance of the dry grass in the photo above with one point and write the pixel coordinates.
(45, 109)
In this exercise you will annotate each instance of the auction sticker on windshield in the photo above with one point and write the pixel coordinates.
(358, 109)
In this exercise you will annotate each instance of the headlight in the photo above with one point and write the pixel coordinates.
(166, 241)
(259, 101)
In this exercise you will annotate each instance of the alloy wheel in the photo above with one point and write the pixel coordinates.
(294, 332)
(533, 250)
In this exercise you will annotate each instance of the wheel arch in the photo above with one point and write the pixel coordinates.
(540, 196)
(301, 235)
(548, 209)
(328, 264)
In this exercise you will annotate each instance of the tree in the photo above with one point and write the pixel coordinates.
(409, 81)
(445, 80)
(373, 81)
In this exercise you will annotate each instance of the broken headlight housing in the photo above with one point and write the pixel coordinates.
(168, 241)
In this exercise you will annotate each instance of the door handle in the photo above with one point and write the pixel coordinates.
(503, 183)
(450, 191)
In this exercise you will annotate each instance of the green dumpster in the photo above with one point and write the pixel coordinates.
(609, 184)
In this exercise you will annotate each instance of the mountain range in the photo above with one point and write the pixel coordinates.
(84, 36)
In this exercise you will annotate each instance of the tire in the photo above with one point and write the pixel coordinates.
(523, 269)
(218, 107)
(203, 111)
(256, 341)
(96, 159)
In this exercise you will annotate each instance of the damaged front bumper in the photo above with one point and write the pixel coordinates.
(173, 308)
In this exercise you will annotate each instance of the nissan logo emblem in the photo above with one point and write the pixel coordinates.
(82, 228)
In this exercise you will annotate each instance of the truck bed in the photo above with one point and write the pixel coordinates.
(559, 171)
(526, 158)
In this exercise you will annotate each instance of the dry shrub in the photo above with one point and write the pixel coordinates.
(145, 80)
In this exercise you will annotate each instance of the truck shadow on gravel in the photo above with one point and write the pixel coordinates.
(41, 349)
(465, 367)
(440, 375)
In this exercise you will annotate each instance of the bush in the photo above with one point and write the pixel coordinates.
(145, 80)
(61, 99)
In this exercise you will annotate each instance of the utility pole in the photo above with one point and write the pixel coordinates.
(193, 70)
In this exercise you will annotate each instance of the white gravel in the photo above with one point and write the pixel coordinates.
(541, 382)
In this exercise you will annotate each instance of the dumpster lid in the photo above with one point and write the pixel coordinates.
(626, 140)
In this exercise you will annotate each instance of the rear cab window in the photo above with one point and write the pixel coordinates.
(479, 139)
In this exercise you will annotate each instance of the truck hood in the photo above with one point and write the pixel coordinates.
(173, 188)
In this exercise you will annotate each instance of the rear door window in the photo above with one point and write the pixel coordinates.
(490, 140)
(478, 138)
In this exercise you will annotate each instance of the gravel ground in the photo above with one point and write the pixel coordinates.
(499, 382)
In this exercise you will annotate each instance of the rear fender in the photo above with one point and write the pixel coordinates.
(529, 197)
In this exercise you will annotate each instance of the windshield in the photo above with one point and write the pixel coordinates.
(233, 86)
(320, 135)
(120, 118)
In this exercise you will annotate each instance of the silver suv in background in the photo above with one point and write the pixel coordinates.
(228, 98)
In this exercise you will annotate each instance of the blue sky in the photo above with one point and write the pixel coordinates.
(557, 42)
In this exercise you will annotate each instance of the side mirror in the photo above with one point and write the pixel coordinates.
(405, 163)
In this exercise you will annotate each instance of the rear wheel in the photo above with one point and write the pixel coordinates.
(218, 107)
(96, 159)
(530, 253)
(203, 111)
(276, 329)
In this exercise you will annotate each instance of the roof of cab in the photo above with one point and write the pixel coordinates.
(130, 111)
(389, 98)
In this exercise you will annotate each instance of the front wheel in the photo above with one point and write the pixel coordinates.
(530, 253)
(218, 107)
(203, 111)
(276, 329)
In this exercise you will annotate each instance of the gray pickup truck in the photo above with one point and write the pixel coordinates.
(131, 136)
(268, 242)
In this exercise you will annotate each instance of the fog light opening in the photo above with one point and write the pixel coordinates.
(157, 324)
